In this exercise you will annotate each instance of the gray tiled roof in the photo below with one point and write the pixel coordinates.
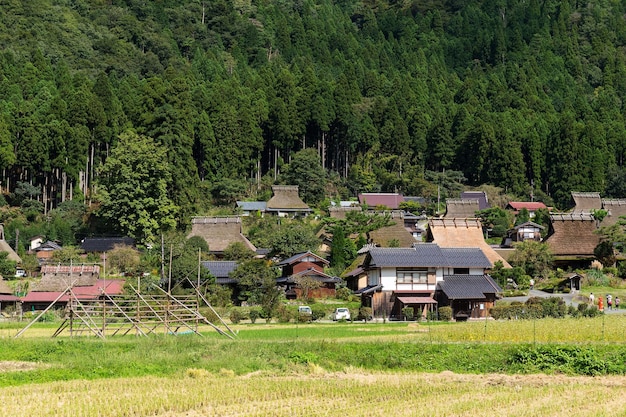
(298, 256)
(252, 205)
(429, 255)
(466, 258)
(468, 287)
(220, 269)
(104, 244)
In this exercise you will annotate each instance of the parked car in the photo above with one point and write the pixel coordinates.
(305, 310)
(341, 313)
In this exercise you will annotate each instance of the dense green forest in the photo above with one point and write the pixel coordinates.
(385, 94)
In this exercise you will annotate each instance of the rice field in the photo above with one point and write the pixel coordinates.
(329, 369)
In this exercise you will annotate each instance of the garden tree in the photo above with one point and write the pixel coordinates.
(133, 188)
(186, 255)
(605, 253)
(67, 254)
(256, 281)
(542, 217)
(291, 238)
(533, 257)
(614, 234)
(227, 191)
(307, 285)
(496, 219)
(507, 277)
(359, 222)
(7, 266)
(305, 171)
(342, 251)
(522, 217)
(238, 251)
(123, 259)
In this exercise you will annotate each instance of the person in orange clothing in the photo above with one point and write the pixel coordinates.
(600, 304)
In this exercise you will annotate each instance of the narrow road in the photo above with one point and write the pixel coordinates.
(570, 299)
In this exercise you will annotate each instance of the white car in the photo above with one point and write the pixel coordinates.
(341, 314)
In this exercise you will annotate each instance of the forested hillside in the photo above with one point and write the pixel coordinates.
(387, 92)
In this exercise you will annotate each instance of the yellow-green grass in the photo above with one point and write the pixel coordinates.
(352, 392)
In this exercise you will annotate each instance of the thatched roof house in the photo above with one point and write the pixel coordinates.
(339, 212)
(585, 202)
(462, 233)
(573, 236)
(4, 247)
(463, 208)
(615, 209)
(394, 234)
(286, 201)
(219, 232)
(60, 277)
(481, 196)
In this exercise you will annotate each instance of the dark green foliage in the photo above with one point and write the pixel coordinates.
(293, 238)
(445, 313)
(7, 266)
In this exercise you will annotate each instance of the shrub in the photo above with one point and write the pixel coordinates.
(236, 315)
(344, 293)
(283, 314)
(365, 313)
(255, 313)
(318, 312)
(408, 313)
(445, 313)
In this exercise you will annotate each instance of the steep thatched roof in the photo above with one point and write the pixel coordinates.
(615, 209)
(286, 198)
(395, 232)
(462, 233)
(573, 235)
(4, 288)
(585, 202)
(461, 208)
(219, 232)
(340, 212)
(60, 277)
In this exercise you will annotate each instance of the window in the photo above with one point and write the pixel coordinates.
(461, 271)
(412, 276)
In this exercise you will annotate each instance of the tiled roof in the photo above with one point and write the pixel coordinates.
(529, 224)
(528, 205)
(390, 200)
(299, 256)
(481, 196)
(310, 273)
(104, 244)
(92, 292)
(466, 258)
(220, 269)
(428, 255)
(252, 205)
(468, 287)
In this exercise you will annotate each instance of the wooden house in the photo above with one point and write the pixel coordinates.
(305, 266)
(522, 232)
(398, 278)
(252, 208)
(7, 298)
(45, 251)
(469, 296)
(286, 202)
(40, 299)
(219, 233)
(481, 196)
(462, 233)
(102, 245)
(461, 208)
(572, 239)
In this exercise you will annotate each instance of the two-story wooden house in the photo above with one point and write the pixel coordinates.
(409, 277)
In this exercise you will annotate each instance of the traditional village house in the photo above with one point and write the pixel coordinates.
(573, 239)
(397, 234)
(522, 232)
(84, 281)
(219, 233)
(586, 202)
(530, 206)
(35, 242)
(221, 271)
(45, 251)
(102, 245)
(462, 233)
(306, 266)
(409, 277)
(615, 208)
(7, 299)
(464, 208)
(5, 247)
(286, 202)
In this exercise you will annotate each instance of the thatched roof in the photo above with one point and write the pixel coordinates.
(340, 212)
(615, 209)
(461, 207)
(573, 235)
(60, 277)
(4, 288)
(462, 233)
(395, 232)
(585, 202)
(286, 198)
(219, 232)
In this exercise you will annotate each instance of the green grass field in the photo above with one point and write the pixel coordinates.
(544, 367)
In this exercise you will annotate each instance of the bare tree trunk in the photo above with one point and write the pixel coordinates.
(324, 150)
(203, 13)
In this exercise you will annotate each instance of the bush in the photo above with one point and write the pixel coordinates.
(236, 315)
(445, 313)
(365, 313)
(344, 293)
(318, 312)
(255, 313)
(408, 313)
(284, 315)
